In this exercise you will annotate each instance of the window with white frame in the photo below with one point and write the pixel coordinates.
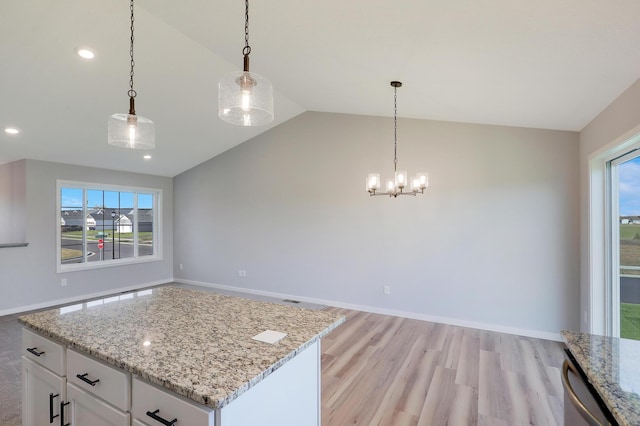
(105, 225)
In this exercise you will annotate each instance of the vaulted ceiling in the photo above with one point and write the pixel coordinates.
(544, 64)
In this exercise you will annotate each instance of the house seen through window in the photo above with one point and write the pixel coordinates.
(106, 225)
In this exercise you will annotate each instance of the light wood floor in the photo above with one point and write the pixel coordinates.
(382, 370)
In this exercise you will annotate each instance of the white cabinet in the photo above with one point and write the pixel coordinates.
(86, 409)
(43, 379)
(42, 392)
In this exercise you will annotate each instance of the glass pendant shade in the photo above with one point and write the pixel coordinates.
(245, 99)
(131, 131)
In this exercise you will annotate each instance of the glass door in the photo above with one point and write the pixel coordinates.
(624, 288)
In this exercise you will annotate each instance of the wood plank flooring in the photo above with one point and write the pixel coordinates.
(382, 370)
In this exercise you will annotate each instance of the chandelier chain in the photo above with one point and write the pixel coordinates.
(132, 93)
(395, 129)
(247, 49)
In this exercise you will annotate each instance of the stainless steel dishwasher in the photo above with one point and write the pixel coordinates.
(582, 405)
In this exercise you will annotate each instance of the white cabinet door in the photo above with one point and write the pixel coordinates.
(85, 409)
(137, 422)
(155, 406)
(42, 392)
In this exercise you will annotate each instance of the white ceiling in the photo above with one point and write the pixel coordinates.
(544, 64)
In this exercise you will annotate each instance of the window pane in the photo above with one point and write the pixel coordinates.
(145, 224)
(71, 226)
(96, 227)
(124, 225)
(629, 209)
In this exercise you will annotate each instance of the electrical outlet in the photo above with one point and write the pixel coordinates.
(386, 290)
(181, 268)
(63, 282)
(242, 273)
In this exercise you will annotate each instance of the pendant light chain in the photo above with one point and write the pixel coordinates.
(132, 93)
(247, 48)
(395, 129)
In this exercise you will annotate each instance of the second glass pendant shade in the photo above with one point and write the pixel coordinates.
(245, 99)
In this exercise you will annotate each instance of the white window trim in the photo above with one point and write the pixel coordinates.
(157, 220)
(600, 280)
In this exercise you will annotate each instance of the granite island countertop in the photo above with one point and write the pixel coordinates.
(612, 366)
(197, 344)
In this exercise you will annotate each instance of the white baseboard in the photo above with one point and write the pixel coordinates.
(78, 298)
(376, 310)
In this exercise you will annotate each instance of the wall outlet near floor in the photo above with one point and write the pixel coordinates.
(242, 273)
(386, 290)
(63, 282)
(181, 267)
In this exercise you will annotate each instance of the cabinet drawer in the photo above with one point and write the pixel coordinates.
(109, 383)
(148, 398)
(43, 351)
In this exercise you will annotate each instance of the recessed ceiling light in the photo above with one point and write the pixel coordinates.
(147, 157)
(85, 53)
(12, 130)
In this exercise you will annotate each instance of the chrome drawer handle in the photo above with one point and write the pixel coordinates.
(34, 351)
(83, 377)
(154, 416)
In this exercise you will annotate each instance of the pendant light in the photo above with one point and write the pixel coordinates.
(131, 130)
(400, 185)
(245, 98)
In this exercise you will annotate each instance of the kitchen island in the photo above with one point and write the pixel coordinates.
(612, 367)
(151, 356)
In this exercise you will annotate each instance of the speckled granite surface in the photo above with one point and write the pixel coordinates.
(613, 368)
(194, 343)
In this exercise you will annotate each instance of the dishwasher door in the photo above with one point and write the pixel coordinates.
(581, 407)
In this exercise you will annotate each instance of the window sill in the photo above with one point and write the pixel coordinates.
(10, 245)
(104, 264)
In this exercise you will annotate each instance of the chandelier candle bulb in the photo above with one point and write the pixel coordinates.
(415, 184)
(401, 179)
(373, 182)
(391, 186)
(423, 179)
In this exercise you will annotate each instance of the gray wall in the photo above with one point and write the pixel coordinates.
(13, 178)
(28, 275)
(494, 241)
